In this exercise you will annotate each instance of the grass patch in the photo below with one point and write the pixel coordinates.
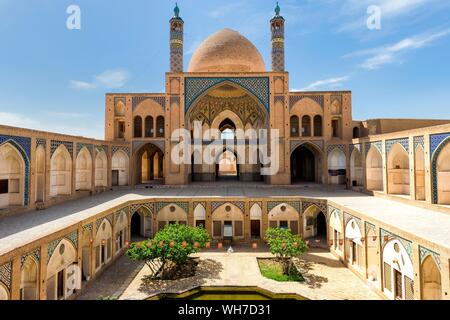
(273, 269)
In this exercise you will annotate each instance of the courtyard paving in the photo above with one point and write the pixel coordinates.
(326, 278)
(21, 229)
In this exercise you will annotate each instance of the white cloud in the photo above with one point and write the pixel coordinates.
(377, 57)
(19, 120)
(326, 83)
(109, 79)
(81, 85)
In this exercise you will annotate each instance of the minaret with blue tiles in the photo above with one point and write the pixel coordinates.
(176, 41)
(277, 28)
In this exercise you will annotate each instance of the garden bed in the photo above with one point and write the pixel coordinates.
(272, 268)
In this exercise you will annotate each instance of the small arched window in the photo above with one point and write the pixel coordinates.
(306, 126)
(294, 126)
(160, 127)
(317, 126)
(356, 133)
(137, 127)
(149, 127)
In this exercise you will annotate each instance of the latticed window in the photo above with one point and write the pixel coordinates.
(238, 232)
(217, 228)
(294, 226)
(294, 126)
(409, 289)
(387, 277)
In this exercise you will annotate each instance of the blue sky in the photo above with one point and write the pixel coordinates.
(54, 79)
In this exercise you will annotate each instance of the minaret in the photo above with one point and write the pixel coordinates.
(277, 28)
(176, 41)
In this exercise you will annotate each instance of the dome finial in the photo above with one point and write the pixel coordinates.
(176, 10)
(277, 10)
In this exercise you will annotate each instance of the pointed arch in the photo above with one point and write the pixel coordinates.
(441, 173)
(226, 216)
(120, 167)
(356, 168)
(58, 267)
(29, 280)
(60, 172)
(374, 170)
(398, 271)
(337, 166)
(101, 169)
(314, 223)
(4, 292)
(354, 245)
(285, 216)
(83, 165)
(12, 176)
(431, 287)
(306, 163)
(200, 215)
(103, 244)
(398, 170)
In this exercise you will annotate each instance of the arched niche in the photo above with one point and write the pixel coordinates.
(354, 245)
(431, 287)
(284, 216)
(83, 177)
(12, 176)
(29, 280)
(255, 221)
(59, 273)
(103, 244)
(443, 175)
(228, 217)
(61, 172)
(4, 292)
(314, 223)
(101, 169)
(398, 170)
(200, 215)
(171, 213)
(336, 231)
(337, 166)
(120, 168)
(356, 169)
(374, 170)
(398, 271)
(121, 231)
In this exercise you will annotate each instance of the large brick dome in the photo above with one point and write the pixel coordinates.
(226, 51)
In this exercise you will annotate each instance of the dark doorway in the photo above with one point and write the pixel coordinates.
(115, 177)
(303, 165)
(255, 226)
(60, 289)
(321, 225)
(136, 226)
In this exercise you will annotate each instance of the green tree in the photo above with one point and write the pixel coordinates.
(285, 246)
(169, 249)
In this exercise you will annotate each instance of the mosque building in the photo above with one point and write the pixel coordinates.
(390, 228)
